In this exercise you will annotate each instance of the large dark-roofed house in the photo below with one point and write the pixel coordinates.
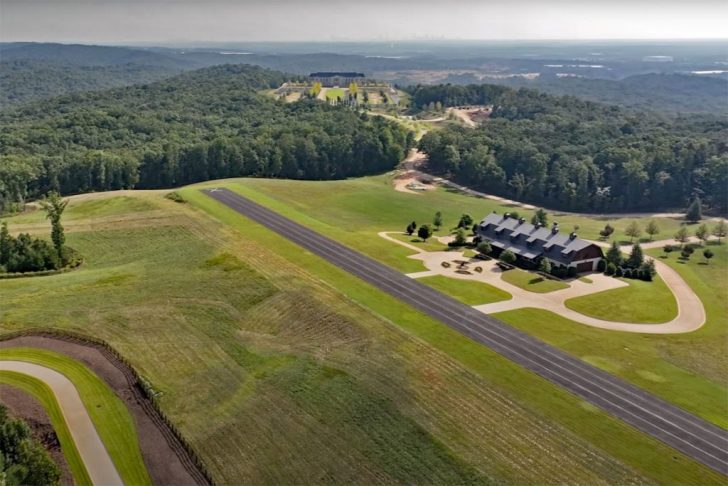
(331, 79)
(530, 243)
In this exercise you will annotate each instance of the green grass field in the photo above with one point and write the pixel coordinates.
(532, 282)
(41, 392)
(470, 292)
(278, 366)
(335, 93)
(352, 211)
(641, 302)
(96, 208)
(109, 414)
(430, 245)
(582, 419)
(368, 203)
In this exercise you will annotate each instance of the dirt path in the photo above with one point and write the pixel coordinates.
(95, 457)
(690, 317)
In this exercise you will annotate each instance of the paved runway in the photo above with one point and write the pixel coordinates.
(701, 440)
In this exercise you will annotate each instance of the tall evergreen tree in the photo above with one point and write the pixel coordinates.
(54, 206)
(695, 211)
(636, 257)
(614, 254)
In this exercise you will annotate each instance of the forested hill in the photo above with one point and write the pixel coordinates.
(31, 71)
(570, 154)
(200, 125)
(23, 81)
(658, 92)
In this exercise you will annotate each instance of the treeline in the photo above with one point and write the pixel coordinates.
(577, 155)
(201, 125)
(26, 254)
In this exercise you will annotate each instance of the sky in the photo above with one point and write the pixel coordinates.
(184, 21)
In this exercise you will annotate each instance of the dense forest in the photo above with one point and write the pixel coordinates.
(200, 125)
(23, 81)
(667, 93)
(660, 92)
(571, 154)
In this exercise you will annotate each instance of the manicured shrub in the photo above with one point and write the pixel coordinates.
(627, 273)
(611, 269)
(619, 272)
(602, 265)
(508, 257)
(571, 272)
(484, 248)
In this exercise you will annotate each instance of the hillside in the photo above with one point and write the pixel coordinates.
(200, 125)
(85, 55)
(661, 92)
(23, 81)
(33, 71)
(570, 154)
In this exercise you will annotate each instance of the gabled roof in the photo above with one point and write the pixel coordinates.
(528, 240)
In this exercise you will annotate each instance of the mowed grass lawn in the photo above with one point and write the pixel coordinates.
(367, 204)
(532, 282)
(335, 93)
(268, 362)
(646, 455)
(470, 292)
(641, 302)
(271, 364)
(41, 392)
(112, 420)
(353, 211)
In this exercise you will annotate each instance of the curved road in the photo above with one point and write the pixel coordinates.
(690, 315)
(98, 463)
(695, 437)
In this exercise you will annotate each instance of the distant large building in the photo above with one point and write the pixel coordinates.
(331, 79)
(530, 243)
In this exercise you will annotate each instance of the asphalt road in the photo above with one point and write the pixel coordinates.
(693, 436)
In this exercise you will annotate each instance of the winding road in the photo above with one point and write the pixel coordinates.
(693, 436)
(95, 457)
(690, 310)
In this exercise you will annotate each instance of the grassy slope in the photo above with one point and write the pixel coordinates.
(642, 302)
(109, 414)
(45, 396)
(468, 291)
(362, 204)
(532, 282)
(648, 456)
(352, 211)
(275, 377)
(79, 209)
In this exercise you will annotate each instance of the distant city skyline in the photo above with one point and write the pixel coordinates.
(189, 21)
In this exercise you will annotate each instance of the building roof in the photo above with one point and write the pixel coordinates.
(326, 74)
(530, 241)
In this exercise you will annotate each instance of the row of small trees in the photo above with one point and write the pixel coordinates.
(686, 251)
(634, 266)
(702, 232)
(25, 253)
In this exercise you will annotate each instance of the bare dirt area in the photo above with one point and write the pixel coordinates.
(472, 115)
(161, 458)
(408, 178)
(22, 405)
